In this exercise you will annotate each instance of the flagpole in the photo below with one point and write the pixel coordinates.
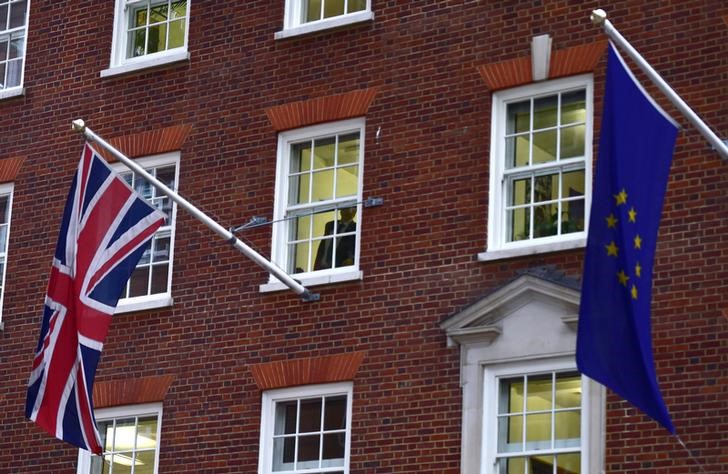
(599, 18)
(306, 295)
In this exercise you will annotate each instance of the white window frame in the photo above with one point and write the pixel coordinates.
(279, 253)
(5, 189)
(491, 374)
(120, 64)
(157, 300)
(497, 246)
(292, 25)
(126, 411)
(19, 89)
(267, 420)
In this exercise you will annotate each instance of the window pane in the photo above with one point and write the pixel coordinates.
(357, 5)
(124, 434)
(348, 149)
(323, 185)
(512, 466)
(347, 181)
(517, 149)
(157, 38)
(176, 34)
(107, 465)
(158, 13)
(139, 282)
(333, 449)
(299, 257)
(138, 17)
(160, 275)
(179, 9)
(546, 188)
(545, 112)
(136, 43)
(539, 393)
(510, 433)
(324, 223)
(520, 192)
(545, 220)
(324, 151)
(572, 141)
(4, 45)
(17, 13)
(333, 8)
(146, 256)
(568, 463)
(2, 76)
(298, 189)
(310, 416)
(544, 146)
(538, 431)
(147, 432)
(16, 48)
(301, 228)
(573, 184)
(165, 174)
(568, 391)
(308, 447)
(3, 16)
(161, 249)
(106, 430)
(573, 107)
(541, 465)
(144, 462)
(335, 413)
(518, 117)
(519, 222)
(572, 216)
(567, 426)
(285, 418)
(14, 71)
(311, 10)
(122, 464)
(3, 237)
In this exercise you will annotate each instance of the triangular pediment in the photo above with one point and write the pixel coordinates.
(529, 300)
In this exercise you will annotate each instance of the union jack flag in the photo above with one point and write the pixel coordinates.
(106, 228)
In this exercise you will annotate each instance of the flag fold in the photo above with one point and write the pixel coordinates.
(105, 230)
(614, 344)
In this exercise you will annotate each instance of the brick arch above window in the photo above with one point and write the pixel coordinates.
(153, 142)
(564, 62)
(9, 168)
(131, 391)
(289, 373)
(321, 109)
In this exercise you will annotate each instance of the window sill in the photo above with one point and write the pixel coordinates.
(314, 280)
(326, 24)
(501, 254)
(140, 303)
(12, 92)
(146, 63)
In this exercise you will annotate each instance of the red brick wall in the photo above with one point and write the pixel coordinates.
(418, 250)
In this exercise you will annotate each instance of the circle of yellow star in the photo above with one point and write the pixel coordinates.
(634, 292)
(632, 215)
(638, 269)
(621, 198)
(612, 249)
(637, 242)
(622, 278)
(611, 221)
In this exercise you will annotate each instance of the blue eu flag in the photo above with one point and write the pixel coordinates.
(614, 345)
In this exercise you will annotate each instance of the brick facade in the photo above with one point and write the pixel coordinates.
(416, 73)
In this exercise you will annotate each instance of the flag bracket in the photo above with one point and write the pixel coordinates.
(79, 126)
(599, 18)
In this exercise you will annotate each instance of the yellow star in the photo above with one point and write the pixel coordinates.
(621, 198)
(612, 249)
(632, 215)
(637, 242)
(622, 278)
(612, 221)
(634, 292)
(638, 269)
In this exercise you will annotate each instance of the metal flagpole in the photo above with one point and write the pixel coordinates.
(306, 295)
(599, 18)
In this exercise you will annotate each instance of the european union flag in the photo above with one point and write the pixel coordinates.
(614, 345)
